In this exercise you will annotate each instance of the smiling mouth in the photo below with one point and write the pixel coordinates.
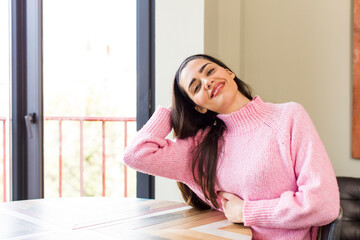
(217, 88)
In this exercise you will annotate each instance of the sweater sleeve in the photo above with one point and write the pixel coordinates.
(316, 201)
(150, 152)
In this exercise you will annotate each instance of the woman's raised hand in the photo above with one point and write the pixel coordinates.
(232, 206)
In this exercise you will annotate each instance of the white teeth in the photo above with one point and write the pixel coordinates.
(216, 90)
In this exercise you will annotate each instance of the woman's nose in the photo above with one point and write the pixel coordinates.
(208, 83)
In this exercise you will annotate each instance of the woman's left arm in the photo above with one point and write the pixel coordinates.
(316, 201)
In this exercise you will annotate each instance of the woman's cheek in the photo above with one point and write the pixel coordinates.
(199, 101)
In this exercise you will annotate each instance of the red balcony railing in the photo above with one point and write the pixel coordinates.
(81, 120)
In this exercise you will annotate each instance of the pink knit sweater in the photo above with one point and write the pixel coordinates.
(272, 158)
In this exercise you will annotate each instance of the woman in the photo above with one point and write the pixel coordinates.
(262, 164)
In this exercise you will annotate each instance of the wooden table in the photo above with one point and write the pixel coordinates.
(113, 218)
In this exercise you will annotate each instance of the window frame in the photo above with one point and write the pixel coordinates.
(26, 145)
(145, 81)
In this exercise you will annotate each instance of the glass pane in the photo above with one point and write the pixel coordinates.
(89, 96)
(4, 95)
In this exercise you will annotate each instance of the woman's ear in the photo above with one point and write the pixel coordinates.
(230, 73)
(200, 109)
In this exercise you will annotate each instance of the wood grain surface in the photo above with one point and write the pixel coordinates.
(113, 218)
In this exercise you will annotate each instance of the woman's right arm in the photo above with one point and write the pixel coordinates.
(152, 153)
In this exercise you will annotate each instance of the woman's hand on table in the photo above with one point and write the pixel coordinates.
(232, 206)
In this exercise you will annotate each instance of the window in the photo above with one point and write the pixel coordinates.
(89, 96)
(28, 72)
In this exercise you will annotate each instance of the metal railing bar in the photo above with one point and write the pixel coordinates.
(103, 160)
(107, 119)
(81, 158)
(60, 158)
(125, 167)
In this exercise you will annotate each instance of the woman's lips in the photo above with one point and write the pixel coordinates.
(216, 89)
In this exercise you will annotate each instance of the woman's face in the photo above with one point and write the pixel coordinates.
(209, 86)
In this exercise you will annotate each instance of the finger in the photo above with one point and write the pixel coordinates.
(228, 217)
(221, 194)
(223, 201)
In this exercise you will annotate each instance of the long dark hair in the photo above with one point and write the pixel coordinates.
(186, 122)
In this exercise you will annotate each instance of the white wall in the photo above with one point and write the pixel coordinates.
(179, 26)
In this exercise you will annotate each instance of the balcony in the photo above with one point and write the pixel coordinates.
(59, 121)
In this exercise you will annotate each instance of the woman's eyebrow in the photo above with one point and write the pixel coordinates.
(203, 67)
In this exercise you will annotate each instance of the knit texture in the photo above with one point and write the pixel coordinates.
(272, 157)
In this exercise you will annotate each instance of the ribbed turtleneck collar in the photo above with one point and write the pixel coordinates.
(248, 117)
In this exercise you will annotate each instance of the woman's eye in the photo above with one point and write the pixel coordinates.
(196, 88)
(210, 71)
